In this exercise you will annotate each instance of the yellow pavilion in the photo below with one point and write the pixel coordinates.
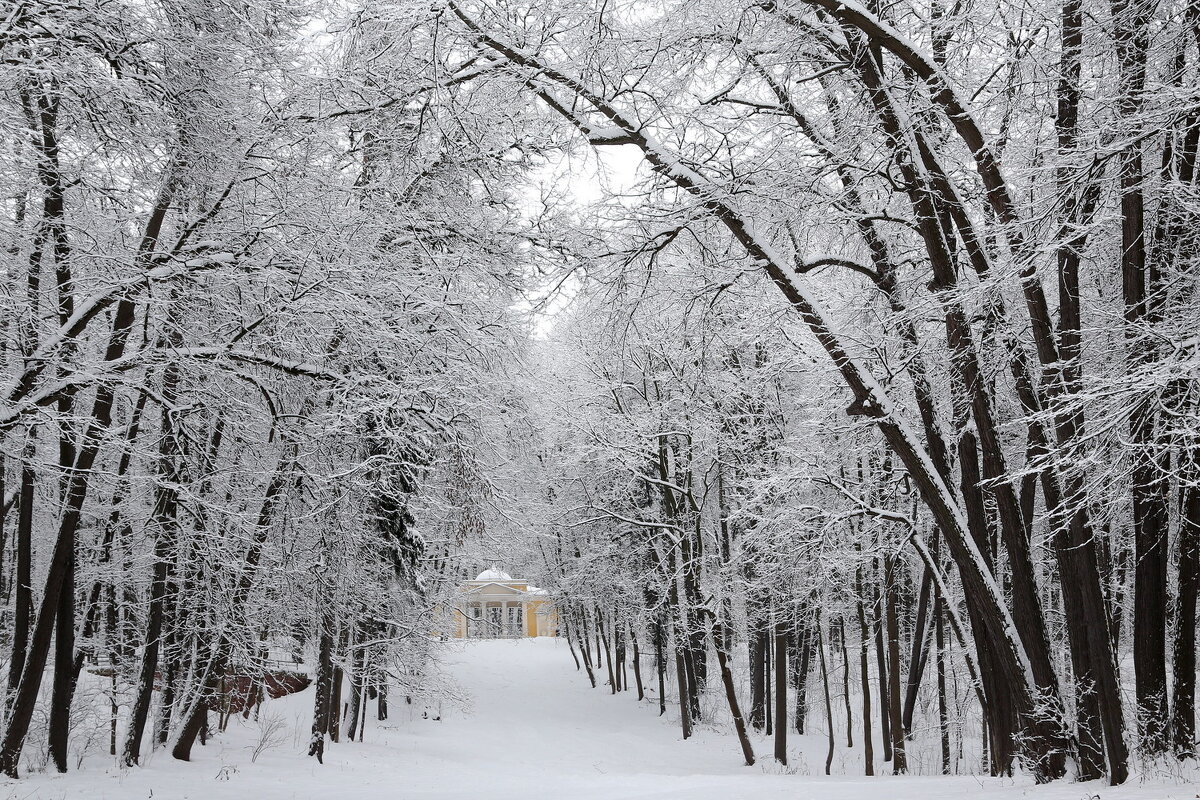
(497, 606)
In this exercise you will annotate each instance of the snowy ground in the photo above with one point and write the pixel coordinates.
(532, 729)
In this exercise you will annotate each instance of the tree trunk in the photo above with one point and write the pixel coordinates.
(781, 699)
(758, 676)
(825, 685)
(864, 633)
(885, 725)
(919, 654)
(1131, 37)
(846, 681)
(357, 676)
(608, 659)
(165, 523)
(685, 711)
(939, 632)
(895, 724)
(323, 691)
(1183, 726)
(637, 666)
(735, 711)
(335, 705)
(803, 662)
(660, 664)
(23, 610)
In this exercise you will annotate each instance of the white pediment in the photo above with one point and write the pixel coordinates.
(495, 588)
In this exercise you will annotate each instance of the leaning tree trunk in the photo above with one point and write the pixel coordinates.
(721, 637)
(29, 685)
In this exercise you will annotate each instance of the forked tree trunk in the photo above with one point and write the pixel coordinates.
(846, 681)
(613, 688)
(637, 665)
(825, 685)
(919, 654)
(585, 652)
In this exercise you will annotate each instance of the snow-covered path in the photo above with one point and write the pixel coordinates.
(531, 728)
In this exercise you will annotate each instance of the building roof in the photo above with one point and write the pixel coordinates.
(493, 574)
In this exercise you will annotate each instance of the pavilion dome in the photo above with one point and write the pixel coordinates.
(493, 574)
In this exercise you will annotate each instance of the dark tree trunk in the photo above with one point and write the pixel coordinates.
(64, 669)
(637, 666)
(335, 705)
(1131, 21)
(585, 652)
(613, 687)
(660, 663)
(357, 677)
(885, 725)
(1000, 713)
(323, 692)
(864, 656)
(846, 681)
(895, 724)
(720, 642)
(919, 654)
(570, 642)
(24, 581)
(803, 663)
(1183, 726)
(758, 672)
(1046, 741)
(939, 633)
(165, 524)
(621, 673)
(768, 643)
(685, 711)
(820, 635)
(781, 699)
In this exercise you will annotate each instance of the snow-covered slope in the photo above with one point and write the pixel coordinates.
(531, 727)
